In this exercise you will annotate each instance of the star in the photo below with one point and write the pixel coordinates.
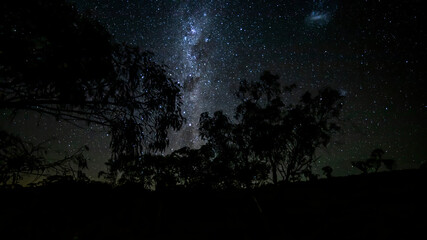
(366, 51)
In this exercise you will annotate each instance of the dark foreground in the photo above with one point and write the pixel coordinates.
(381, 206)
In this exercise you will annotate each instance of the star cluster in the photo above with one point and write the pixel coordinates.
(371, 51)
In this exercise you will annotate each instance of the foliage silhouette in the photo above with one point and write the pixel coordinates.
(266, 137)
(374, 163)
(57, 62)
(233, 164)
(327, 171)
(309, 175)
(312, 122)
(19, 158)
(270, 133)
(194, 166)
(52, 60)
(186, 167)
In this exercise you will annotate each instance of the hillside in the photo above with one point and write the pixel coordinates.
(380, 206)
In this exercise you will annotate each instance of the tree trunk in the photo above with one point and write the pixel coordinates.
(274, 170)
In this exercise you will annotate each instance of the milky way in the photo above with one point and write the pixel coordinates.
(371, 51)
(194, 71)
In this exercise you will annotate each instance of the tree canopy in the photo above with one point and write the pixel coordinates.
(374, 162)
(57, 62)
(269, 136)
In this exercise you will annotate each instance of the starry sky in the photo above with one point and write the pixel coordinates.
(373, 52)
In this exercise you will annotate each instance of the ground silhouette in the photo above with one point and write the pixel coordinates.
(385, 205)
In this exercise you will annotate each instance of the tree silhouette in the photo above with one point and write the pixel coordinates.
(159, 171)
(57, 62)
(286, 136)
(52, 59)
(260, 115)
(185, 167)
(374, 162)
(193, 166)
(327, 171)
(19, 158)
(268, 134)
(232, 164)
(361, 165)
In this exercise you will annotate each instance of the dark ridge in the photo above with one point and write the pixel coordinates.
(383, 205)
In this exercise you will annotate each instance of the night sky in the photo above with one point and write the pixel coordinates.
(373, 52)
